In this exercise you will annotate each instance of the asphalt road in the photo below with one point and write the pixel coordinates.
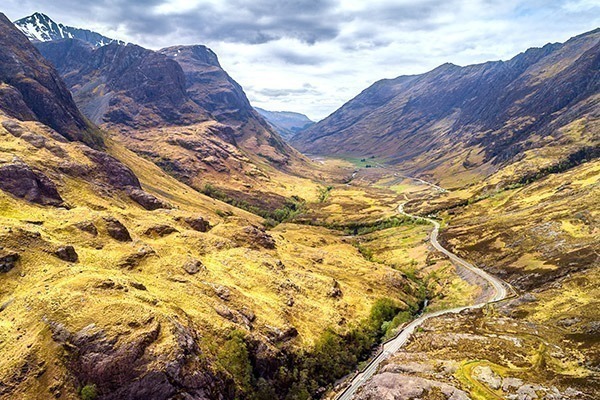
(499, 293)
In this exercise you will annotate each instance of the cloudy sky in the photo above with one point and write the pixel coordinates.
(312, 56)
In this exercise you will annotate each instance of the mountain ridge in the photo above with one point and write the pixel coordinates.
(287, 123)
(492, 107)
(38, 27)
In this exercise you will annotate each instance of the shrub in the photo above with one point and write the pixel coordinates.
(89, 392)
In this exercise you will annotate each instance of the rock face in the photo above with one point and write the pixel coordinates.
(31, 89)
(21, 181)
(496, 106)
(126, 85)
(123, 367)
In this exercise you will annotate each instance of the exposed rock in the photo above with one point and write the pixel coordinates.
(160, 231)
(198, 223)
(8, 260)
(146, 200)
(257, 237)
(138, 286)
(140, 87)
(388, 385)
(34, 89)
(566, 322)
(487, 376)
(67, 253)
(225, 312)
(110, 284)
(223, 292)
(335, 291)
(117, 230)
(133, 260)
(88, 227)
(192, 267)
(248, 314)
(281, 335)
(117, 174)
(21, 181)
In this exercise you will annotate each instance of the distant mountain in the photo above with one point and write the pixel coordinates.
(470, 120)
(30, 88)
(39, 27)
(287, 123)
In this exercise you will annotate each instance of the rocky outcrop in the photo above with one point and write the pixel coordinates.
(192, 267)
(133, 260)
(403, 387)
(117, 230)
(159, 231)
(8, 260)
(18, 179)
(146, 200)
(124, 368)
(256, 237)
(198, 223)
(67, 253)
(33, 90)
(87, 226)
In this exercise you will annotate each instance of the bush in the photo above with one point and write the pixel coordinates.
(233, 357)
(89, 392)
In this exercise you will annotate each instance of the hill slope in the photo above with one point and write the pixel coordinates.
(467, 121)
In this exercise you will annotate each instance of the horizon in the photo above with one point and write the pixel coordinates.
(288, 62)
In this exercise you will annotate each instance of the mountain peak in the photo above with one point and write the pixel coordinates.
(38, 27)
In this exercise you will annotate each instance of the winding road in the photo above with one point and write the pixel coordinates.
(395, 344)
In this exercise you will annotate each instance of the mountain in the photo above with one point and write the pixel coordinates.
(129, 284)
(30, 88)
(286, 123)
(39, 27)
(146, 96)
(123, 84)
(468, 121)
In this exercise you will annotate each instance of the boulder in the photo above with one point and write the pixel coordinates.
(223, 292)
(8, 260)
(192, 267)
(257, 237)
(67, 253)
(160, 231)
(138, 286)
(335, 290)
(88, 227)
(198, 223)
(146, 200)
(117, 230)
(133, 260)
(21, 181)
(225, 312)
